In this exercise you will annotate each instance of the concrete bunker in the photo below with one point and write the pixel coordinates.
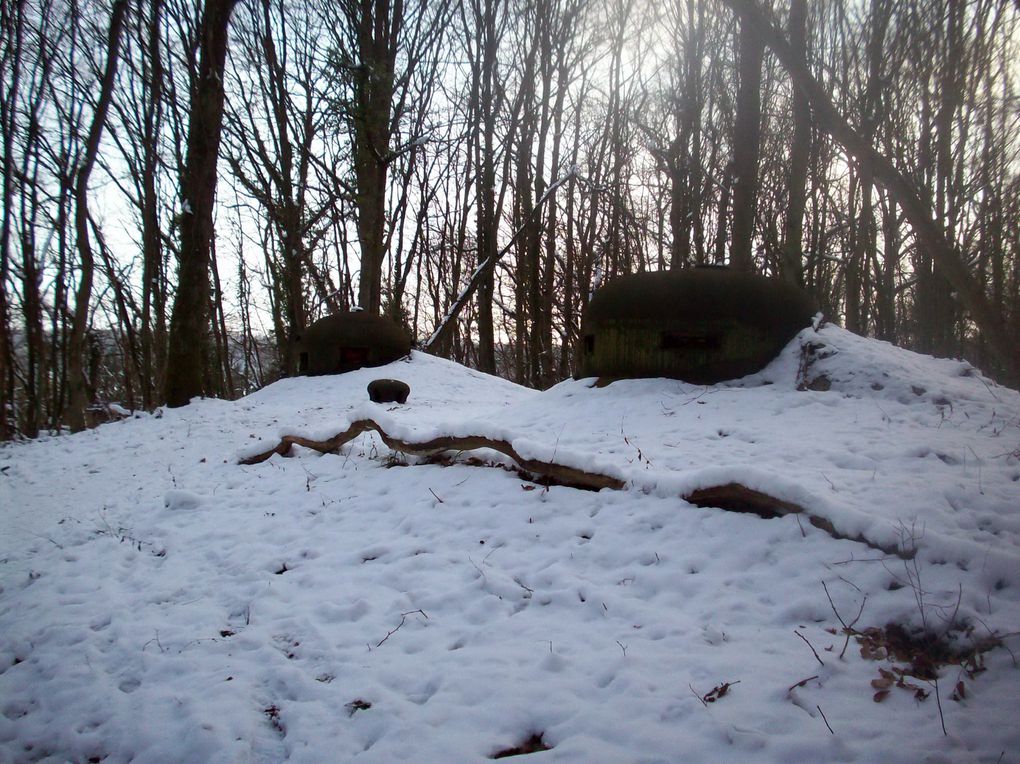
(701, 325)
(347, 341)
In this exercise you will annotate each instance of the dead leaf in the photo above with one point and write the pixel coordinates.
(882, 684)
(881, 695)
(357, 705)
(718, 692)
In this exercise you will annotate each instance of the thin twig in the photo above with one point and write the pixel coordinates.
(859, 559)
(956, 611)
(697, 695)
(824, 719)
(403, 619)
(848, 629)
(801, 683)
(938, 701)
(833, 605)
(860, 612)
(1002, 643)
(518, 581)
(475, 566)
(815, 652)
(851, 584)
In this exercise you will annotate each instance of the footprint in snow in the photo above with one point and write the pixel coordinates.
(179, 500)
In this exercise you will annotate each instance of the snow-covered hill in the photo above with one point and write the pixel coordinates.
(160, 602)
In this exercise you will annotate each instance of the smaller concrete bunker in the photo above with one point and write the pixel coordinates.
(702, 325)
(348, 341)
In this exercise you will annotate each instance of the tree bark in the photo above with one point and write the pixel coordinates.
(792, 264)
(378, 24)
(746, 145)
(13, 32)
(487, 221)
(153, 329)
(189, 323)
(942, 330)
(78, 389)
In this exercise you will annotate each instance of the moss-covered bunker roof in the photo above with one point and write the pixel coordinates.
(355, 329)
(667, 297)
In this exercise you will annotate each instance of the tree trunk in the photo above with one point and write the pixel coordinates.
(487, 222)
(220, 362)
(792, 264)
(378, 29)
(189, 323)
(885, 298)
(685, 213)
(79, 396)
(854, 262)
(746, 145)
(153, 328)
(950, 95)
(722, 213)
(32, 310)
(527, 225)
(864, 232)
(13, 32)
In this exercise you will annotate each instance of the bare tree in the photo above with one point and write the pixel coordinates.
(371, 38)
(931, 234)
(746, 143)
(275, 136)
(78, 389)
(11, 57)
(800, 155)
(484, 28)
(189, 322)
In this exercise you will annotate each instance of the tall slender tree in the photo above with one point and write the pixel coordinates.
(792, 264)
(78, 386)
(380, 47)
(746, 144)
(11, 50)
(189, 323)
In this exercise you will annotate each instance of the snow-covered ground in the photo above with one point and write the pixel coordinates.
(160, 602)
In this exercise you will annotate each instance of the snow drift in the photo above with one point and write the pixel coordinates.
(160, 602)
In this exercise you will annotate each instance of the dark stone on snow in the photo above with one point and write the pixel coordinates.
(388, 391)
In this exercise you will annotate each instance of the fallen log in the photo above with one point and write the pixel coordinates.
(729, 496)
(560, 473)
(739, 498)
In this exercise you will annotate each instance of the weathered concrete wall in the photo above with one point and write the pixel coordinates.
(347, 341)
(700, 325)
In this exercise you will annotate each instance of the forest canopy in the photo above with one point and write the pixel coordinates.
(188, 185)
